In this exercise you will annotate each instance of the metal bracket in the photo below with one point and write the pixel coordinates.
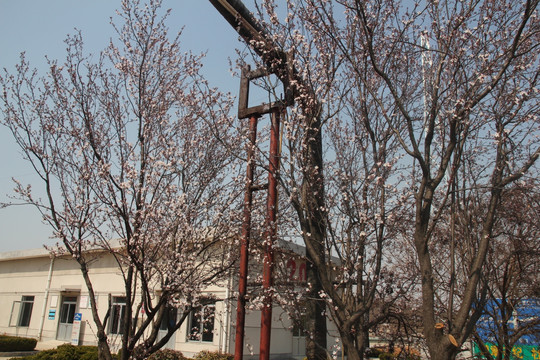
(243, 110)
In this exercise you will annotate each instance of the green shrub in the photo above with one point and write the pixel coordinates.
(42, 355)
(413, 357)
(167, 354)
(15, 343)
(87, 352)
(386, 356)
(66, 352)
(213, 355)
(373, 352)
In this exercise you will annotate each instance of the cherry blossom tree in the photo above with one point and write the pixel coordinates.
(347, 220)
(511, 281)
(124, 148)
(473, 92)
(454, 86)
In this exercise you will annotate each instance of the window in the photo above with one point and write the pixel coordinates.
(21, 311)
(202, 323)
(67, 310)
(27, 303)
(169, 319)
(118, 311)
(299, 326)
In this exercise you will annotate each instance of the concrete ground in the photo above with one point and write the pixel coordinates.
(47, 345)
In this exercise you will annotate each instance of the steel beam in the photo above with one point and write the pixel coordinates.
(244, 248)
(276, 60)
(271, 233)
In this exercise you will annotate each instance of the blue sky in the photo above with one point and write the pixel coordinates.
(39, 28)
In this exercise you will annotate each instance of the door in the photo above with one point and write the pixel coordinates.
(67, 314)
(299, 345)
(299, 337)
(169, 320)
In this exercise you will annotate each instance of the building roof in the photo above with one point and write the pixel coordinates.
(24, 254)
(42, 252)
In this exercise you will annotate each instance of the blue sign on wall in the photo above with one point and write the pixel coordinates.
(524, 314)
(52, 314)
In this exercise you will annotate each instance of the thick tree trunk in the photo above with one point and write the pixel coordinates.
(349, 347)
(362, 342)
(311, 213)
(316, 319)
(354, 343)
(104, 351)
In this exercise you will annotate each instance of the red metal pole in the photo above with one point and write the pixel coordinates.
(244, 248)
(271, 230)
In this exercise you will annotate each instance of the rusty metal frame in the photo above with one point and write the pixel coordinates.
(280, 63)
(270, 236)
(275, 59)
(244, 111)
(244, 245)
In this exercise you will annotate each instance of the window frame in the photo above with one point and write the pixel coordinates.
(23, 308)
(169, 318)
(205, 326)
(118, 312)
(68, 308)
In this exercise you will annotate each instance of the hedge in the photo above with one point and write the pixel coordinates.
(15, 343)
(213, 355)
(66, 352)
(167, 354)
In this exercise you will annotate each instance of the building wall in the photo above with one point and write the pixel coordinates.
(24, 274)
(29, 276)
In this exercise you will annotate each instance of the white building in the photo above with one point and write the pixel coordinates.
(41, 295)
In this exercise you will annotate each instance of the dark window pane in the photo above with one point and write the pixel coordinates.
(202, 324)
(67, 313)
(208, 324)
(169, 319)
(118, 311)
(71, 313)
(26, 310)
(195, 328)
(64, 314)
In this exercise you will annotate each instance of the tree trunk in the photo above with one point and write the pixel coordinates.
(350, 349)
(311, 213)
(104, 351)
(362, 342)
(316, 319)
